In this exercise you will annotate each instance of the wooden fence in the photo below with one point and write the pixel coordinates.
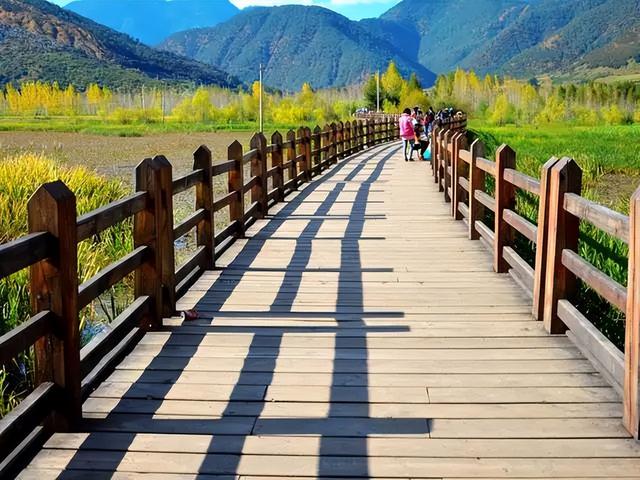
(65, 374)
(461, 172)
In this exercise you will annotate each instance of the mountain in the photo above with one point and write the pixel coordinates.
(449, 31)
(518, 37)
(151, 21)
(296, 44)
(40, 41)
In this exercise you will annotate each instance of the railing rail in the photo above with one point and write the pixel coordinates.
(65, 374)
(461, 172)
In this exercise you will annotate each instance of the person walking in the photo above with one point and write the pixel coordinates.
(407, 133)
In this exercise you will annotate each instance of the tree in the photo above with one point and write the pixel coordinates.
(392, 82)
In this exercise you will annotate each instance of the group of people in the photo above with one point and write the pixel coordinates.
(415, 130)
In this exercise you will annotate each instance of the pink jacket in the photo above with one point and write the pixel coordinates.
(406, 127)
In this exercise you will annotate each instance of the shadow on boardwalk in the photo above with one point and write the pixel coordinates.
(229, 432)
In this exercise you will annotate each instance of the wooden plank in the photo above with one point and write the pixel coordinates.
(521, 225)
(189, 223)
(486, 200)
(606, 355)
(523, 269)
(102, 218)
(607, 220)
(187, 181)
(223, 167)
(26, 416)
(110, 275)
(522, 181)
(601, 283)
(187, 267)
(25, 335)
(485, 165)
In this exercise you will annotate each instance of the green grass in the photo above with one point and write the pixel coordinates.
(98, 126)
(20, 176)
(610, 159)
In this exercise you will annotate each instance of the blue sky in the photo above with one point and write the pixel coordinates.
(354, 9)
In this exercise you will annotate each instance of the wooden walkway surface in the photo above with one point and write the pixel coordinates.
(357, 333)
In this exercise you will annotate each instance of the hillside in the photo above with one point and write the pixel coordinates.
(296, 44)
(151, 21)
(452, 30)
(517, 37)
(40, 41)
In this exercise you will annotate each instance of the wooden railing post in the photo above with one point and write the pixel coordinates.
(434, 151)
(347, 139)
(460, 169)
(631, 397)
(236, 184)
(505, 195)
(291, 157)
(476, 182)
(362, 141)
(54, 287)
(542, 241)
(446, 163)
(339, 141)
(148, 277)
(165, 236)
(316, 150)
(259, 169)
(325, 156)
(276, 161)
(333, 141)
(205, 231)
(442, 151)
(309, 157)
(560, 283)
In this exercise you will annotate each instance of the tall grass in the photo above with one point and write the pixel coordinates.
(20, 176)
(610, 160)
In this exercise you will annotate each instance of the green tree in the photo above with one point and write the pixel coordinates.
(392, 83)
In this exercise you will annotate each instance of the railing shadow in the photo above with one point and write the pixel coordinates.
(230, 430)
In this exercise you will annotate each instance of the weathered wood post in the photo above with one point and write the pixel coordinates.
(291, 158)
(316, 150)
(164, 234)
(309, 157)
(631, 397)
(460, 169)
(362, 141)
(276, 161)
(446, 163)
(434, 151)
(148, 277)
(542, 241)
(339, 140)
(505, 196)
(205, 234)
(347, 139)
(442, 151)
(259, 169)
(302, 149)
(236, 184)
(333, 141)
(476, 182)
(54, 286)
(560, 283)
(325, 156)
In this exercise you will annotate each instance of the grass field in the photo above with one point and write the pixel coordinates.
(610, 159)
(97, 126)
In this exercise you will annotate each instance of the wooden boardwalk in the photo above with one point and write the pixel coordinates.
(356, 333)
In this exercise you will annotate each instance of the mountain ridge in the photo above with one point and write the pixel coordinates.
(296, 44)
(41, 40)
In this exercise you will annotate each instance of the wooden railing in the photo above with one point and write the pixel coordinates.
(461, 172)
(65, 374)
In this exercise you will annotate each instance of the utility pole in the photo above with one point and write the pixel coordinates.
(260, 113)
(378, 91)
